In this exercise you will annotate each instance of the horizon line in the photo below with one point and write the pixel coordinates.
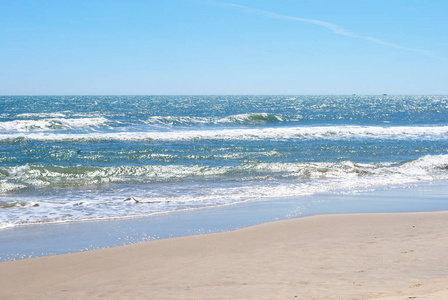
(189, 95)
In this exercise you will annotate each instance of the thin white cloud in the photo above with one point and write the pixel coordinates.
(333, 27)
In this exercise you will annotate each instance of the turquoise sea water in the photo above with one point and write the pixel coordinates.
(84, 158)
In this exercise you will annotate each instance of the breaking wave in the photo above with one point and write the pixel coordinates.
(169, 120)
(240, 119)
(319, 132)
(425, 168)
(253, 118)
(51, 124)
(279, 180)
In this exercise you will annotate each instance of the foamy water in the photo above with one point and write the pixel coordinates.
(321, 132)
(69, 159)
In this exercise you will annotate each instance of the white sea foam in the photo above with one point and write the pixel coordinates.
(139, 200)
(7, 186)
(428, 168)
(51, 124)
(277, 133)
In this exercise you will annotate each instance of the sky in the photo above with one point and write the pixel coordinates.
(231, 47)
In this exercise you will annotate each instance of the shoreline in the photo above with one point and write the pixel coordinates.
(50, 239)
(361, 256)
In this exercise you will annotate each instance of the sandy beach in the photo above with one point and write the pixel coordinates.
(358, 256)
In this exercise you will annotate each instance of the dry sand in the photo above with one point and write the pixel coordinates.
(363, 256)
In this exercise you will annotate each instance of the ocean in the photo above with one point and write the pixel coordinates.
(82, 158)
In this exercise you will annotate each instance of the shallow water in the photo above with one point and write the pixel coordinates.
(49, 239)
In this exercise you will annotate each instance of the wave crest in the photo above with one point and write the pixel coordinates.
(318, 132)
(253, 118)
(51, 124)
(240, 119)
(428, 167)
(170, 120)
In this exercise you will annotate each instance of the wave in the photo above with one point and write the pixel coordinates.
(253, 118)
(139, 200)
(18, 204)
(32, 175)
(51, 124)
(7, 186)
(170, 120)
(277, 133)
(240, 119)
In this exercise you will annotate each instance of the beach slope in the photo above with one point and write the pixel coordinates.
(359, 256)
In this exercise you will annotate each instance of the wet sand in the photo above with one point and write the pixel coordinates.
(358, 256)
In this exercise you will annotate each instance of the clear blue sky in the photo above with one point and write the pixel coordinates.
(154, 47)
